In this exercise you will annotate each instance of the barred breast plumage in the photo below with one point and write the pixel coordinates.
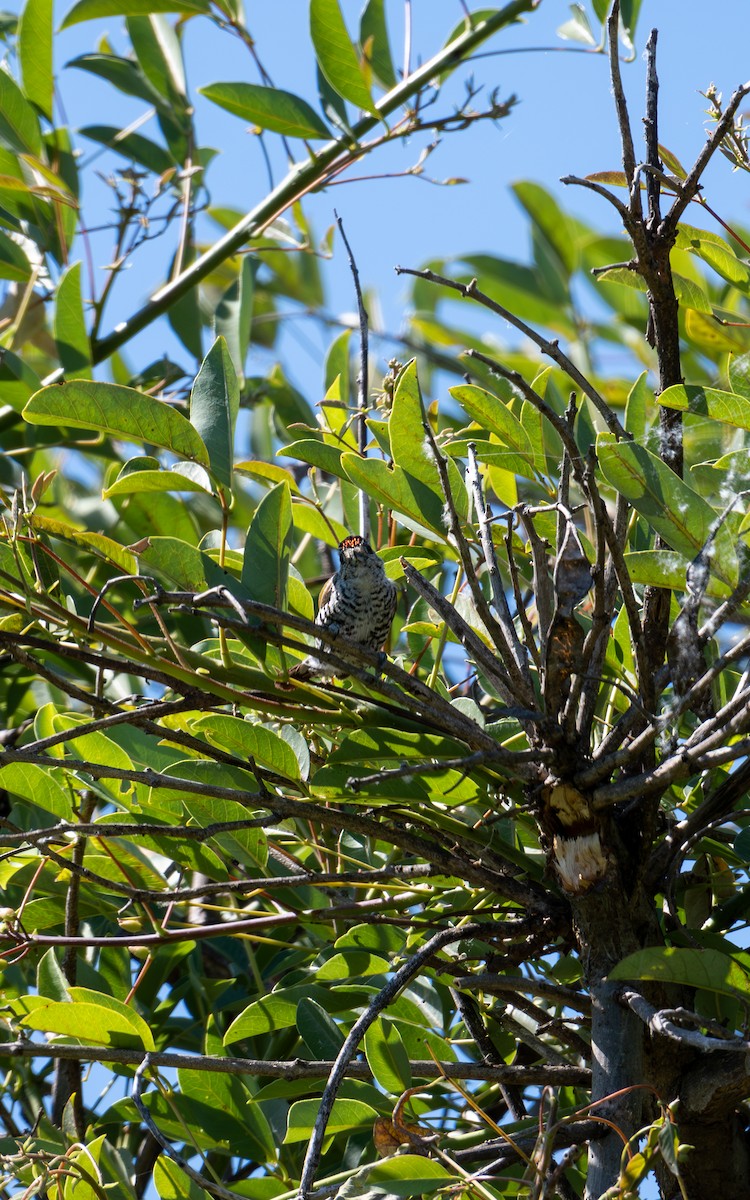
(357, 603)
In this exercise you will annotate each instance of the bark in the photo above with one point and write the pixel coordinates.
(719, 1163)
(605, 936)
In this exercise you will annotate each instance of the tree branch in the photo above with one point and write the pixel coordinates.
(296, 1068)
(551, 349)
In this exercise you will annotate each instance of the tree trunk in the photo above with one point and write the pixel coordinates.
(602, 919)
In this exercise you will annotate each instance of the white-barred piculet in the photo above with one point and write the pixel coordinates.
(358, 602)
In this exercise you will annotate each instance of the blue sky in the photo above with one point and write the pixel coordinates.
(563, 124)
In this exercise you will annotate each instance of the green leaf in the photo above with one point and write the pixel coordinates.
(18, 380)
(640, 397)
(208, 773)
(739, 374)
(337, 366)
(14, 264)
(317, 454)
(50, 980)
(69, 326)
(553, 222)
(405, 1175)
(268, 108)
(674, 510)
(92, 1018)
(337, 55)
(133, 146)
(728, 407)
(35, 31)
(665, 568)
(387, 1057)
(157, 48)
(690, 294)
(353, 964)
(172, 1183)
(248, 741)
(373, 37)
(90, 10)
(412, 453)
(318, 1031)
(93, 746)
(176, 562)
(183, 477)
(119, 412)
(265, 566)
(19, 125)
(346, 1116)
(233, 316)
(278, 1010)
(247, 846)
(214, 404)
(40, 786)
(707, 969)
(493, 414)
(123, 73)
(395, 488)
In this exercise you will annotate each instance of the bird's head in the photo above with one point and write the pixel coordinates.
(355, 549)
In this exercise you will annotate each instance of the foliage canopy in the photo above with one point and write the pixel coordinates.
(423, 924)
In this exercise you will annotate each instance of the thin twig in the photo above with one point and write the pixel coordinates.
(469, 639)
(691, 183)
(494, 628)
(621, 108)
(362, 379)
(653, 190)
(377, 1005)
(206, 1184)
(550, 348)
(484, 517)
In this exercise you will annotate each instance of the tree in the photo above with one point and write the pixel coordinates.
(469, 917)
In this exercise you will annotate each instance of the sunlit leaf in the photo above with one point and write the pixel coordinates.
(35, 32)
(214, 404)
(71, 334)
(702, 968)
(251, 743)
(268, 108)
(346, 1115)
(19, 124)
(119, 412)
(387, 1057)
(90, 10)
(337, 55)
(373, 33)
(674, 510)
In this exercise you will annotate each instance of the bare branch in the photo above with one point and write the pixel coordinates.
(665, 1022)
(550, 349)
(362, 379)
(295, 1068)
(652, 132)
(204, 1183)
(691, 184)
(470, 640)
(498, 592)
(486, 981)
(378, 1004)
(621, 108)
(520, 684)
(605, 193)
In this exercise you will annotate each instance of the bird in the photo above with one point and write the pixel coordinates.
(358, 602)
